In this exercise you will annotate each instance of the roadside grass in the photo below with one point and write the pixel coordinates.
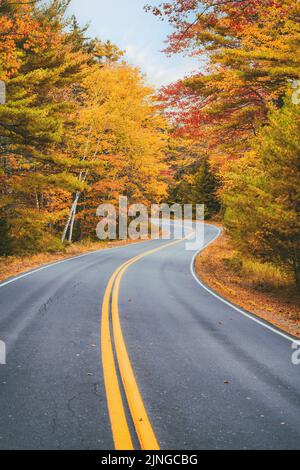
(263, 276)
(261, 288)
(266, 276)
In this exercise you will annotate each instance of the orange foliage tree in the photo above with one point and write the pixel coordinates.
(251, 50)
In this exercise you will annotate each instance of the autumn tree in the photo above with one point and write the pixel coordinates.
(262, 193)
(40, 96)
(122, 139)
(20, 32)
(107, 53)
(251, 49)
(193, 180)
(79, 127)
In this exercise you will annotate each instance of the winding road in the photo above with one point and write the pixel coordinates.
(125, 348)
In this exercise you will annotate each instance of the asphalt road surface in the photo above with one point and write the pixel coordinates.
(209, 376)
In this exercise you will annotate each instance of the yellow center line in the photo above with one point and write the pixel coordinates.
(118, 421)
(120, 429)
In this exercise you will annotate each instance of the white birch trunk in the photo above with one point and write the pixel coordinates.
(72, 221)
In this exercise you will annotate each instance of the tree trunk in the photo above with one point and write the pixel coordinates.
(297, 275)
(74, 207)
(73, 216)
(64, 235)
(72, 213)
(37, 203)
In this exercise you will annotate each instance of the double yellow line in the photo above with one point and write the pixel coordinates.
(119, 424)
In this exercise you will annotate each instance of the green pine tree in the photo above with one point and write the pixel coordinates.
(262, 193)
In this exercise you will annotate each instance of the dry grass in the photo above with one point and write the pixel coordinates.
(266, 276)
(13, 265)
(260, 288)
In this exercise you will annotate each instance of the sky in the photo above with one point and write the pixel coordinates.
(142, 35)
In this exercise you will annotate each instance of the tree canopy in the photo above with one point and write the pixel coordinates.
(79, 127)
(242, 110)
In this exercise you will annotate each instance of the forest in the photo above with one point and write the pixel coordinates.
(80, 126)
(242, 114)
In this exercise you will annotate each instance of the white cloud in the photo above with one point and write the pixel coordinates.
(159, 70)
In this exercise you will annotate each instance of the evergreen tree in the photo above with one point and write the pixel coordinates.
(41, 95)
(194, 181)
(205, 186)
(262, 193)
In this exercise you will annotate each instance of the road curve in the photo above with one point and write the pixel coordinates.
(209, 377)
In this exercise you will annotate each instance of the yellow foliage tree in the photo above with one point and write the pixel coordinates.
(121, 137)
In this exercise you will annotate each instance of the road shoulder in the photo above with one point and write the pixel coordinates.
(12, 266)
(280, 308)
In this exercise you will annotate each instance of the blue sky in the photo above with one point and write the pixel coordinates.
(142, 35)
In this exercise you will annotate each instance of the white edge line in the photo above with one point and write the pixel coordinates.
(29, 273)
(247, 315)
